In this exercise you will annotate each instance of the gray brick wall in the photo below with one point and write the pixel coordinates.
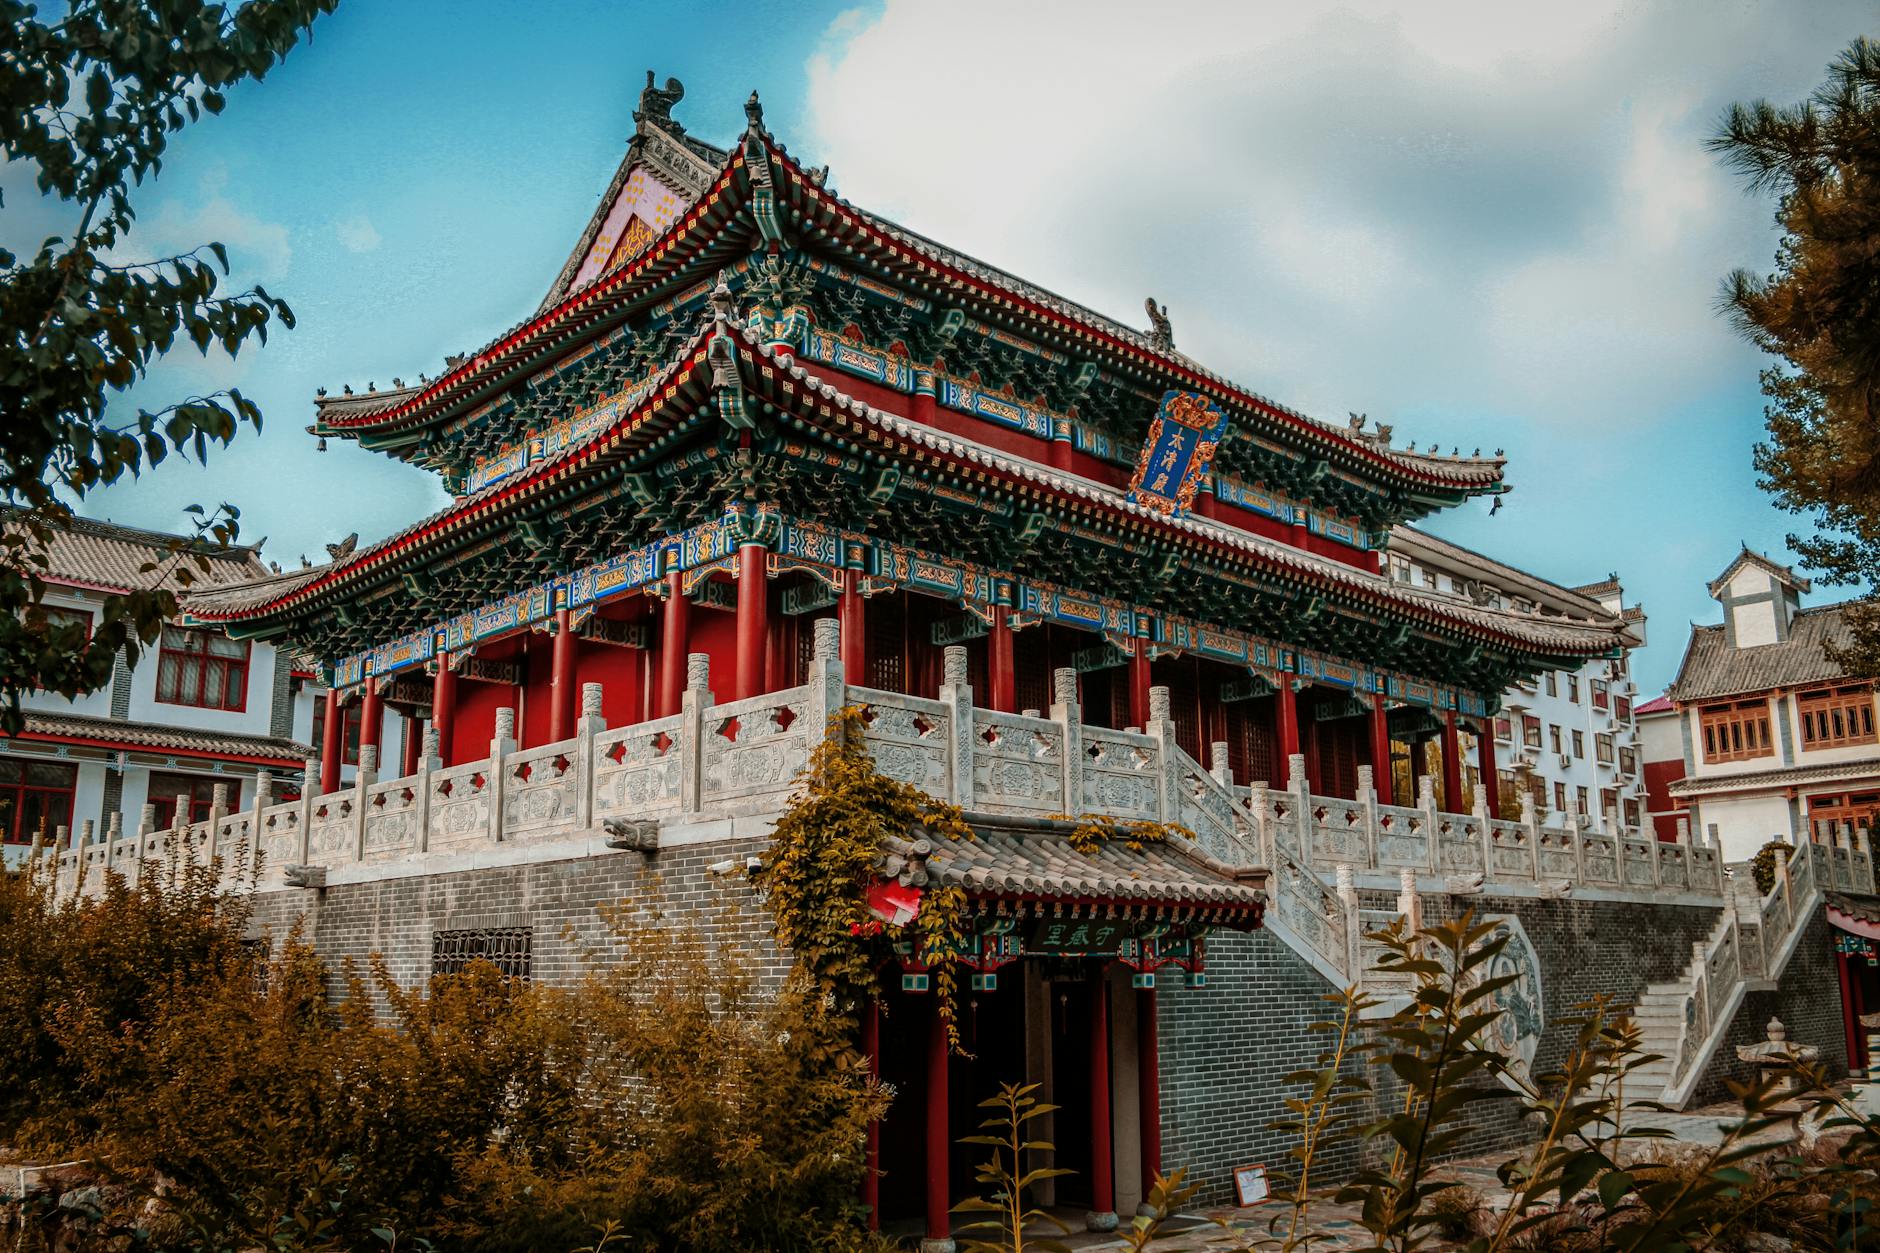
(562, 900)
(1227, 1048)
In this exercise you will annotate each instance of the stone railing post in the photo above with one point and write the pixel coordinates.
(1069, 715)
(363, 779)
(502, 744)
(218, 808)
(590, 724)
(1531, 819)
(113, 832)
(956, 693)
(264, 796)
(1367, 808)
(146, 824)
(1219, 764)
(828, 684)
(309, 801)
(1354, 928)
(1864, 849)
(1409, 902)
(1301, 788)
(1432, 820)
(693, 703)
(1700, 984)
(1261, 812)
(430, 761)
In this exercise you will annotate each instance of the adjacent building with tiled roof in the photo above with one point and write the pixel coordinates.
(195, 712)
(1565, 737)
(1776, 739)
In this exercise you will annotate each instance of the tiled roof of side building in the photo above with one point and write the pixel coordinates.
(183, 741)
(109, 557)
(1838, 771)
(1656, 705)
(1712, 668)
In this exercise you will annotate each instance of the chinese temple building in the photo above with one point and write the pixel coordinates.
(761, 454)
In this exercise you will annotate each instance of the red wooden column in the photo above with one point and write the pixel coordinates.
(371, 718)
(939, 1144)
(1001, 669)
(444, 705)
(1286, 716)
(1381, 781)
(1485, 763)
(1139, 685)
(1148, 1089)
(1102, 1168)
(852, 613)
(1452, 764)
(1309, 740)
(561, 681)
(871, 1162)
(1850, 1022)
(414, 732)
(674, 640)
(753, 618)
(332, 742)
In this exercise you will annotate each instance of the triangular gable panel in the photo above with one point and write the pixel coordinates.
(645, 207)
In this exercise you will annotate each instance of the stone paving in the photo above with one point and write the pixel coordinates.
(1338, 1222)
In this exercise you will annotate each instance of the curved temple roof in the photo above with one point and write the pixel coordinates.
(683, 252)
(789, 385)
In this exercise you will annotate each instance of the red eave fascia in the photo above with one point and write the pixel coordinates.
(856, 221)
(576, 460)
(568, 305)
(159, 750)
(1011, 480)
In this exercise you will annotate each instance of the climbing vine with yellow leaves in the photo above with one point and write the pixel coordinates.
(822, 859)
(1091, 832)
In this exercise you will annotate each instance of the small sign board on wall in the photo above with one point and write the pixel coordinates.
(1250, 1187)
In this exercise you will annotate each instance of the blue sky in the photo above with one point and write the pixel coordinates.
(1489, 224)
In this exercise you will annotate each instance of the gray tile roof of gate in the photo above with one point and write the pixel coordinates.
(1042, 865)
(155, 738)
(110, 557)
(1712, 668)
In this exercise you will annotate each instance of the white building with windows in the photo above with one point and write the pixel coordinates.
(198, 710)
(1569, 739)
(1778, 741)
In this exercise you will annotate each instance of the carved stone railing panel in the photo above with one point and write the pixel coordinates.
(1459, 848)
(393, 810)
(753, 749)
(637, 768)
(540, 790)
(1559, 854)
(1403, 838)
(460, 807)
(1339, 837)
(1599, 859)
(909, 737)
(1637, 864)
(1674, 865)
(1841, 867)
(1120, 774)
(1511, 851)
(280, 839)
(1018, 764)
(1311, 911)
(1223, 830)
(330, 833)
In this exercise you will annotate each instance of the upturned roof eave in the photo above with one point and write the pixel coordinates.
(456, 390)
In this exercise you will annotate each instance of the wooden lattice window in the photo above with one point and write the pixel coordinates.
(1736, 731)
(506, 948)
(1836, 716)
(205, 669)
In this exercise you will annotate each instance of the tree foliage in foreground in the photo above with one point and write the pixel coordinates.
(90, 97)
(1819, 311)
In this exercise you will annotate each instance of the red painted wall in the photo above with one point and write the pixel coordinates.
(621, 672)
(1659, 776)
(477, 704)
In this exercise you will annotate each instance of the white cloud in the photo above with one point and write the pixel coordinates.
(1475, 207)
(258, 250)
(357, 234)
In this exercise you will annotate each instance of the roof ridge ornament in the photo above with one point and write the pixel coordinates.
(1159, 328)
(754, 115)
(656, 102)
